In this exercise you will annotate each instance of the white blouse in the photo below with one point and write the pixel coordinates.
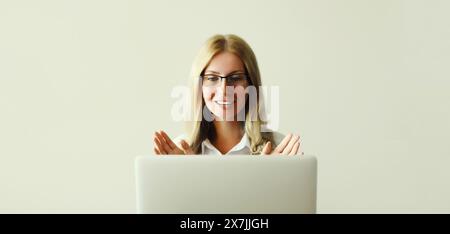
(243, 147)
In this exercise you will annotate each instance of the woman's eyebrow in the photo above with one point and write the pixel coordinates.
(210, 71)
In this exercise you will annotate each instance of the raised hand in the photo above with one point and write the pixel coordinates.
(164, 145)
(290, 145)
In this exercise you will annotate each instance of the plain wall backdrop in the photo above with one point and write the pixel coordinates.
(84, 84)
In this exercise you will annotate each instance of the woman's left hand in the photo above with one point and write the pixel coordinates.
(290, 145)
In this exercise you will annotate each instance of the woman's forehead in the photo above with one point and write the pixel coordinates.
(225, 63)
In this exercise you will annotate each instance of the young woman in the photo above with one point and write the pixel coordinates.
(221, 74)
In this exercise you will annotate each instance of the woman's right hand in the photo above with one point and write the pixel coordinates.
(164, 145)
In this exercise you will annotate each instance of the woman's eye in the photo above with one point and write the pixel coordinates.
(212, 78)
(235, 78)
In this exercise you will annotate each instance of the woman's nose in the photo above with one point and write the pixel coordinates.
(223, 86)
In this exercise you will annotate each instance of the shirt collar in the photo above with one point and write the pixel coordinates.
(244, 143)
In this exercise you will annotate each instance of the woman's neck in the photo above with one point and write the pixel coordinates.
(228, 134)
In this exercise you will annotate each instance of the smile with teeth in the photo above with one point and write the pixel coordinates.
(224, 103)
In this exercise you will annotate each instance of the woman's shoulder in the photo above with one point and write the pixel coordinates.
(277, 138)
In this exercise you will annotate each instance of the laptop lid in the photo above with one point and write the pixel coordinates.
(241, 184)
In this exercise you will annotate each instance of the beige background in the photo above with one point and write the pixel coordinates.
(83, 85)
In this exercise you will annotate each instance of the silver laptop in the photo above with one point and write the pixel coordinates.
(235, 184)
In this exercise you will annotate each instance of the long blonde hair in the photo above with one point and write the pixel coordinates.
(200, 129)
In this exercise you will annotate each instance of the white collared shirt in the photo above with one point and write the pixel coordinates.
(243, 147)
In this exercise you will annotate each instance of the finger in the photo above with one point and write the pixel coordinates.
(168, 140)
(159, 146)
(159, 137)
(163, 142)
(291, 144)
(156, 151)
(267, 148)
(283, 143)
(186, 148)
(295, 149)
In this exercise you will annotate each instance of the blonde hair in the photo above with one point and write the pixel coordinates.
(200, 129)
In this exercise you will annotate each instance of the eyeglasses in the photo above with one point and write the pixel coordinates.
(211, 80)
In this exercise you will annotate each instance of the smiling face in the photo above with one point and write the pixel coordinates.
(225, 100)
